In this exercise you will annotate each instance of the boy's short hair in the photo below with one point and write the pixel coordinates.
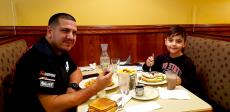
(177, 30)
(53, 21)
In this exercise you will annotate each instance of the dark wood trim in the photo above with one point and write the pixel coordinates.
(40, 30)
(6, 31)
(30, 30)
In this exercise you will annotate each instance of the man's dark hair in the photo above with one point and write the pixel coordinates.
(53, 21)
(177, 30)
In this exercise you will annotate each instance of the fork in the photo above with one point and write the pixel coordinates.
(118, 103)
(152, 65)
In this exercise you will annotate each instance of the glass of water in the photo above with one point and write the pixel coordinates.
(115, 62)
(123, 79)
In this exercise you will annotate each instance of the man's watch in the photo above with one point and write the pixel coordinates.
(74, 86)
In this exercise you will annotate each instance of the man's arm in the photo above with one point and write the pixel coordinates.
(75, 77)
(59, 103)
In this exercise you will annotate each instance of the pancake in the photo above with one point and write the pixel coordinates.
(152, 77)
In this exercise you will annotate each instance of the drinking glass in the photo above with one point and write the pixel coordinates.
(123, 79)
(171, 79)
(115, 62)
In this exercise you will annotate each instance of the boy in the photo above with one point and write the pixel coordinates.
(175, 60)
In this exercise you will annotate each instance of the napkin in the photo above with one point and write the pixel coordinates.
(89, 68)
(93, 66)
(127, 61)
(116, 97)
(143, 107)
(173, 94)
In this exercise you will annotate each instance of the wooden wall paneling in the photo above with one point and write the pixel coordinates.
(122, 46)
(138, 41)
(86, 49)
(149, 43)
(77, 51)
(92, 49)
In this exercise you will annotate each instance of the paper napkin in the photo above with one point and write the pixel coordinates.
(93, 66)
(143, 107)
(115, 97)
(89, 68)
(173, 94)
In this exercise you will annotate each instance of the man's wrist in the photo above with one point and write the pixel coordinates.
(74, 86)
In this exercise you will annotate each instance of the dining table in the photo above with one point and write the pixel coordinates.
(192, 104)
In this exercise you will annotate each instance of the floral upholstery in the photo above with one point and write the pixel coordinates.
(212, 60)
(9, 55)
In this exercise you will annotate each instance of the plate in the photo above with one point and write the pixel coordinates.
(149, 93)
(150, 83)
(82, 83)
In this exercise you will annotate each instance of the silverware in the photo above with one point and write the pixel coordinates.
(118, 100)
(152, 65)
(119, 103)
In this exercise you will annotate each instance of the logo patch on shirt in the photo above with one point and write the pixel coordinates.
(172, 67)
(67, 66)
(46, 74)
(46, 79)
(44, 83)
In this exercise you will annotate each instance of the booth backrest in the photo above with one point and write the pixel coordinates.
(212, 60)
(9, 55)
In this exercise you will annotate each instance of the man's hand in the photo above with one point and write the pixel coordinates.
(103, 81)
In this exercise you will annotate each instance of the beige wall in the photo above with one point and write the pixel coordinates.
(121, 12)
(6, 14)
(213, 11)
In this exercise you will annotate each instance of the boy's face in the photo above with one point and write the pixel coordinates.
(175, 44)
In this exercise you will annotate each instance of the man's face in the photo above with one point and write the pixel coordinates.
(63, 36)
(175, 44)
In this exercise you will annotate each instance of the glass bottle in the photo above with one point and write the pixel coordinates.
(104, 58)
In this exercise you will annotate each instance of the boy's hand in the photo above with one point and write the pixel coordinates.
(178, 80)
(150, 61)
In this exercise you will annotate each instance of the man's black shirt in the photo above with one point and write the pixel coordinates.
(40, 71)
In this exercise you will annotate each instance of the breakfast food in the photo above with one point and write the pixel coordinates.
(128, 71)
(102, 105)
(153, 77)
(129, 75)
(92, 81)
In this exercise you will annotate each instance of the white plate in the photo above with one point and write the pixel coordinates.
(149, 93)
(82, 83)
(150, 83)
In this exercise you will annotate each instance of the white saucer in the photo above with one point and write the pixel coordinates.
(149, 93)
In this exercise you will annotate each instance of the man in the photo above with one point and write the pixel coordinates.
(46, 79)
